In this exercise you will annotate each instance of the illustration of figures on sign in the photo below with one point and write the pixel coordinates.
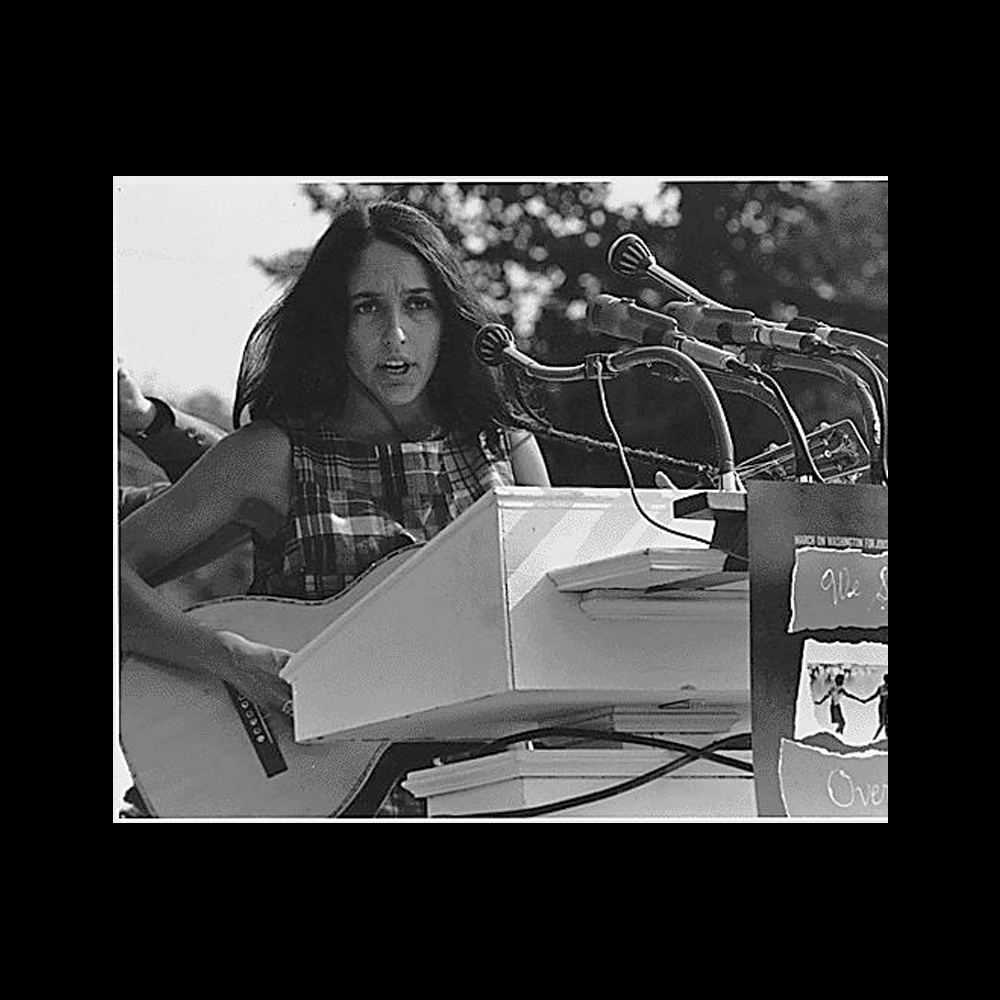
(836, 695)
(883, 707)
(843, 701)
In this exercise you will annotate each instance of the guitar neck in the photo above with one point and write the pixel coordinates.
(839, 452)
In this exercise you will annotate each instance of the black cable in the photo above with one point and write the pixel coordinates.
(622, 361)
(727, 382)
(704, 475)
(877, 381)
(778, 403)
(739, 741)
(631, 483)
(774, 360)
(804, 462)
(873, 378)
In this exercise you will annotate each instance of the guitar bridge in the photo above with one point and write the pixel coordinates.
(258, 732)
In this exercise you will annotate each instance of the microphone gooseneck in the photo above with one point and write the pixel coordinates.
(624, 320)
(630, 256)
(494, 346)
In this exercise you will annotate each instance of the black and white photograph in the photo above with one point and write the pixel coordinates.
(454, 499)
(844, 696)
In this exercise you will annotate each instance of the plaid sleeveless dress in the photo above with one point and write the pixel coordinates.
(354, 503)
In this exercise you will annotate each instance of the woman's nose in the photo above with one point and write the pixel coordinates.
(394, 332)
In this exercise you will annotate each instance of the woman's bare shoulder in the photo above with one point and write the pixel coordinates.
(263, 434)
(261, 443)
(260, 454)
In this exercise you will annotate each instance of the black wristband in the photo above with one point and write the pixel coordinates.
(163, 418)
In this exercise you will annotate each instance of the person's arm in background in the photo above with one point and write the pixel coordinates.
(174, 440)
(526, 459)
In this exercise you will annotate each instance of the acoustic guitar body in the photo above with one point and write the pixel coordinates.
(197, 748)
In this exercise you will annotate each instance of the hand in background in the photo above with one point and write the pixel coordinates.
(135, 411)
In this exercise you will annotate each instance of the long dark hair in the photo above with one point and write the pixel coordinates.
(293, 363)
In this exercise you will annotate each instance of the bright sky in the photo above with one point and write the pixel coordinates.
(185, 293)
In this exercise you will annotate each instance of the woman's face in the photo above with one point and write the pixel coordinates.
(394, 329)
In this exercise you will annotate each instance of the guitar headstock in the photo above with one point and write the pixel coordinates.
(839, 451)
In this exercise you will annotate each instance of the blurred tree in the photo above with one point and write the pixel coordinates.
(537, 252)
(209, 406)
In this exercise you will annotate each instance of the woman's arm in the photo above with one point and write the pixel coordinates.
(526, 459)
(245, 476)
(157, 631)
(245, 482)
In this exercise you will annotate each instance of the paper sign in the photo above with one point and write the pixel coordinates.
(839, 588)
(819, 648)
(817, 782)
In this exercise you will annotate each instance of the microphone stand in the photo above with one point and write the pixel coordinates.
(757, 392)
(750, 381)
(870, 346)
(535, 423)
(770, 359)
(630, 256)
(869, 372)
(494, 346)
(632, 357)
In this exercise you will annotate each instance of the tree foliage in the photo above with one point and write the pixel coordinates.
(538, 253)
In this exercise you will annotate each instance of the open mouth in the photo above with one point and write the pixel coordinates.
(396, 367)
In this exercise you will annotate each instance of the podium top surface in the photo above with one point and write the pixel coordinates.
(471, 631)
(513, 535)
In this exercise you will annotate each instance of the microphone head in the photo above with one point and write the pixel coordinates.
(606, 314)
(490, 343)
(629, 255)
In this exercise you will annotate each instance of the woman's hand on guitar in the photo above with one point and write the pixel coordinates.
(254, 671)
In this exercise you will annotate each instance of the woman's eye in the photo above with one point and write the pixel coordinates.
(420, 304)
(366, 307)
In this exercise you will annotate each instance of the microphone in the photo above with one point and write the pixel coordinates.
(719, 325)
(714, 324)
(630, 256)
(491, 344)
(494, 346)
(624, 320)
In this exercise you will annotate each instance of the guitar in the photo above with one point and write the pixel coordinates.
(197, 748)
(173, 721)
(839, 451)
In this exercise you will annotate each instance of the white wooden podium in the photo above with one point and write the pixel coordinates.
(542, 607)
